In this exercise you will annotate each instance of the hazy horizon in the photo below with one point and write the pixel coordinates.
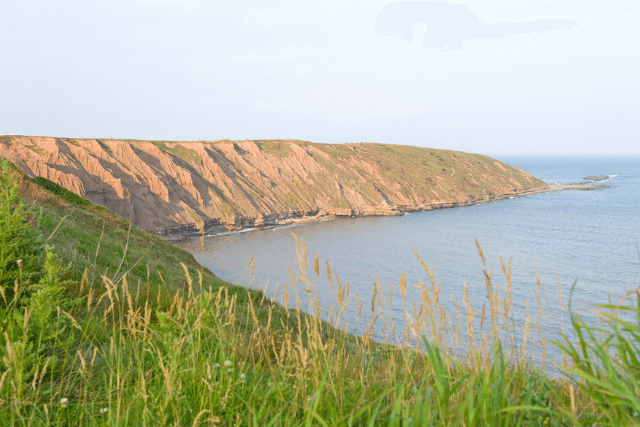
(480, 76)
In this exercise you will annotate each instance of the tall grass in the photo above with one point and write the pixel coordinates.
(103, 352)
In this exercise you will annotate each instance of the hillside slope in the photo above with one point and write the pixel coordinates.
(167, 187)
(96, 243)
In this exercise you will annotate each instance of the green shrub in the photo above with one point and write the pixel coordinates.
(606, 361)
(61, 192)
(21, 248)
(31, 292)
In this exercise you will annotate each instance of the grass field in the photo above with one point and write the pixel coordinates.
(105, 324)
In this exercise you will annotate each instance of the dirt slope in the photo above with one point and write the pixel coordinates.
(169, 187)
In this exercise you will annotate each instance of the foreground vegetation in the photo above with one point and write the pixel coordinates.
(118, 327)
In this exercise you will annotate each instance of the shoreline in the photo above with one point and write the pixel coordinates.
(221, 230)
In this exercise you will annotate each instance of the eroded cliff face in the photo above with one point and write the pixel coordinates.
(167, 186)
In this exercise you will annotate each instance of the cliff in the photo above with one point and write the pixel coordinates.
(166, 187)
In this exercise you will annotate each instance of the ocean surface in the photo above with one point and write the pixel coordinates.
(588, 240)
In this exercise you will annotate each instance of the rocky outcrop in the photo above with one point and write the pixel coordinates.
(596, 177)
(167, 187)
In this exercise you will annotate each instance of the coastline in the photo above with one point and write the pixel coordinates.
(184, 236)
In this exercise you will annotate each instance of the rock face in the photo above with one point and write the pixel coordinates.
(167, 187)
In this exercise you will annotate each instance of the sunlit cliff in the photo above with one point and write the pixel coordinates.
(165, 186)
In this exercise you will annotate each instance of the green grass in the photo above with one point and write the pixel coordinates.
(37, 150)
(72, 142)
(104, 244)
(278, 148)
(61, 192)
(124, 328)
(186, 154)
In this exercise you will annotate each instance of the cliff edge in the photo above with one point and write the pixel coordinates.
(171, 187)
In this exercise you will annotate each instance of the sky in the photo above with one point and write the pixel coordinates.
(481, 76)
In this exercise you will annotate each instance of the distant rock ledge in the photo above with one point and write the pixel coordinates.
(177, 189)
(583, 187)
(596, 177)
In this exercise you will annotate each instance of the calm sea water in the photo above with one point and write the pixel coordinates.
(584, 238)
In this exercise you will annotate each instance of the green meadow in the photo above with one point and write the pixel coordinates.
(104, 324)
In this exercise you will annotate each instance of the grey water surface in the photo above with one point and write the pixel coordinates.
(585, 239)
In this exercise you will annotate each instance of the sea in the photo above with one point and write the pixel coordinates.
(576, 249)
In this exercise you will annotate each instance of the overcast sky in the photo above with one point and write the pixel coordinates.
(483, 76)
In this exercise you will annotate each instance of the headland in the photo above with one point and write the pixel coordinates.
(177, 189)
